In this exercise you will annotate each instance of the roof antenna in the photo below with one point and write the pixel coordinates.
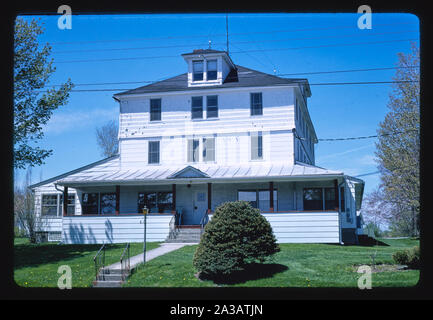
(227, 31)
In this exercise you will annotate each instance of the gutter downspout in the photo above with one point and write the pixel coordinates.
(339, 212)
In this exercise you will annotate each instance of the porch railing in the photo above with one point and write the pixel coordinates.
(174, 223)
(99, 261)
(125, 266)
(204, 220)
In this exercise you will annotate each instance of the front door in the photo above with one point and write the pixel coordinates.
(199, 205)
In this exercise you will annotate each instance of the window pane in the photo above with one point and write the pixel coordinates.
(147, 199)
(193, 149)
(197, 67)
(49, 205)
(343, 202)
(330, 203)
(256, 146)
(197, 108)
(212, 106)
(90, 203)
(208, 149)
(165, 202)
(256, 104)
(250, 196)
(71, 203)
(155, 109)
(313, 199)
(211, 70)
(108, 203)
(153, 152)
(264, 200)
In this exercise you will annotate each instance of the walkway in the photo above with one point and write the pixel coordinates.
(151, 254)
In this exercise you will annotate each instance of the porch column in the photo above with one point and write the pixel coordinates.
(173, 189)
(337, 195)
(117, 200)
(65, 201)
(271, 196)
(209, 197)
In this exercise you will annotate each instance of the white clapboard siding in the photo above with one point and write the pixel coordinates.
(233, 114)
(317, 227)
(51, 224)
(114, 229)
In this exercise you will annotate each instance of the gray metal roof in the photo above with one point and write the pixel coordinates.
(239, 77)
(113, 173)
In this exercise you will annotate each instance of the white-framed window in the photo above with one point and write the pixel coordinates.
(211, 70)
(197, 70)
(208, 149)
(256, 145)
(256, 104)
(259, 198)
(52, 204)
(155, 109)
(153, 153)
(196, 107)
(193, 150)
(211, 106)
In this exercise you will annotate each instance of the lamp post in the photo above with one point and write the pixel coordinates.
(145, 211)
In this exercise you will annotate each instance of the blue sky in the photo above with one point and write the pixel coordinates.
(271, 43)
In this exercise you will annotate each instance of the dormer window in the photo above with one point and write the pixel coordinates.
(211, 70)
(197, 69)
(208, 67)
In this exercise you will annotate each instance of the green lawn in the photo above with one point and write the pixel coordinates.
(296, 265)
(36, 265)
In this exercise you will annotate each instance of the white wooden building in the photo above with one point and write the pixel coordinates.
(219, 132)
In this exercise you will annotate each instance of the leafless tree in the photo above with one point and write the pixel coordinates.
(107, 140)
(24, 211)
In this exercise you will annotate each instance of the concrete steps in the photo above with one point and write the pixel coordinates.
(108, 278)
(186, 235)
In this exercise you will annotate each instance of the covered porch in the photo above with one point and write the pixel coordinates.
(302, 203)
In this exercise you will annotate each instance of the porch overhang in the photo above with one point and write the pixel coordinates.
(202, 173)
(200, 180)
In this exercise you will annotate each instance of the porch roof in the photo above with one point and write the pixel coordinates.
(200, 172)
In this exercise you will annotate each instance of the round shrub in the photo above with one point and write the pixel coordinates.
(410, 257)
(236, 236)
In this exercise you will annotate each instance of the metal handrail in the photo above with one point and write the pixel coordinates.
(204, 220)
(125, 265)
(99, 261)
(173, 226)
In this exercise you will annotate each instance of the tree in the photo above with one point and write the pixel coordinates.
(398, 146)
(32, 108)
(236, 236)
(106, 138)
(25, 216)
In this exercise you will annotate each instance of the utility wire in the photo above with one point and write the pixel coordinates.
(281, 74)
(238, 42)
(237, 52)
(221, 34)
(369, 137)
(312, 84)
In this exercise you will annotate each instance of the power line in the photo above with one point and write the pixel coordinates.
(369, 137)
(237, 42)
(221, 34)
(341, 71)
(329, 83)
(281, 74)
(244, 51)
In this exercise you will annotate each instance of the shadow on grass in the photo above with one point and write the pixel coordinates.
(32, 255)
(253, 271)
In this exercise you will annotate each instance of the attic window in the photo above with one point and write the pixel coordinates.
(197, 71)
(211, 70)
